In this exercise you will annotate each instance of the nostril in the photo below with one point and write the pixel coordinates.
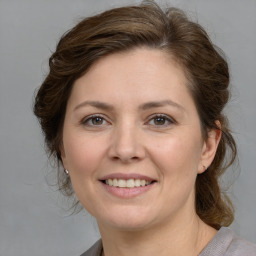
(125, 159)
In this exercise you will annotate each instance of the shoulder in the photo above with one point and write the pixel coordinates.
(95, 250)
(241, 247)
(227, 243)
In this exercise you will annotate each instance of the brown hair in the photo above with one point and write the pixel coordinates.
(185, 41)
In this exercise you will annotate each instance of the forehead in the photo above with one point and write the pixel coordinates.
(135, 75)
(141, 60)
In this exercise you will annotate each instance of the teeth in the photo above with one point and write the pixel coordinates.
(110, 182)
(137, 183)
(115, 183)
(131, 183)
(121, 183)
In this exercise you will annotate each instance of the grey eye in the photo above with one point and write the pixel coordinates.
(161, 120)
(97, 120)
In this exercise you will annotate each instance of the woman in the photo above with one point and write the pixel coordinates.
(132, 111)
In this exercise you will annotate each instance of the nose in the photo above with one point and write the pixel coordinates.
(127, 144)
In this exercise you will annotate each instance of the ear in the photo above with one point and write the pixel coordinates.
(209, 148)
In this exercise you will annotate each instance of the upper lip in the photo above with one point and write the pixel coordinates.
(126, 176)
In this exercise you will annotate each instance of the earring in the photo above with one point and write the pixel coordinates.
(66, 171)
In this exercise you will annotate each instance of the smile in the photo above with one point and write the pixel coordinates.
(130, 183)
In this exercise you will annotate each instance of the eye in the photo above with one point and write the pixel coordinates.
(160, 120)
(94, 120)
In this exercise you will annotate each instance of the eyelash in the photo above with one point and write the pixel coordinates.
(88, 120)
(163, 116)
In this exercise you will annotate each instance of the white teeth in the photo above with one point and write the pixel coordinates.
(115, 183)
(110, 182)
(131, 183)
(121, 183)
(137, 183)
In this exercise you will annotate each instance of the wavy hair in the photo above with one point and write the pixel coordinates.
(169, 30)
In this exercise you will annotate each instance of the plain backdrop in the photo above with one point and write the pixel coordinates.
(33, 219)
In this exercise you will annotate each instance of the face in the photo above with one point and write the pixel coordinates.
(132, 141)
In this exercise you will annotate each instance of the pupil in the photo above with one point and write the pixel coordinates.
(97, 120)
(159, 120)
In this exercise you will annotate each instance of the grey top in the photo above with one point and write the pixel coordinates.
(224, 243)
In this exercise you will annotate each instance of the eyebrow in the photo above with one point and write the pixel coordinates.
(96, 104)
(158, 104)
(145, 106)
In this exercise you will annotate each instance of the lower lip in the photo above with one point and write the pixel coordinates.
(127, 192)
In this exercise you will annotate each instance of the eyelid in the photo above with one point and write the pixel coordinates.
(89, 117)
(171, 120)
(168, 118)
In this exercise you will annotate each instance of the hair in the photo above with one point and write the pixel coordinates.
(146, 25)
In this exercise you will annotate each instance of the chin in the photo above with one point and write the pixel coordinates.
(127, 220)
(128, 225)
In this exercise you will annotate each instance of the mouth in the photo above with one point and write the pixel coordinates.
(126, 186)
(127, 183)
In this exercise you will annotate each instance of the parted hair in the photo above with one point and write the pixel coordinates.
(169, 30)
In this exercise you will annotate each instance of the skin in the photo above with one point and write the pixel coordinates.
(129, 136)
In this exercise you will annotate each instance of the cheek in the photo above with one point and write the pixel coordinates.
(83, 157)
(82, 154)
(177, 154)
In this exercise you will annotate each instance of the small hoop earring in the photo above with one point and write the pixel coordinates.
(66, 171)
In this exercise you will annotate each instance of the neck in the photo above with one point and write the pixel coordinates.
(177, 238)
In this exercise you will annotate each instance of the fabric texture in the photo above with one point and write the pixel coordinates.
(224, 243)
(227, 243)
(95, 250)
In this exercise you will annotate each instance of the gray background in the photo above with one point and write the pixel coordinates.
(33, 220)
